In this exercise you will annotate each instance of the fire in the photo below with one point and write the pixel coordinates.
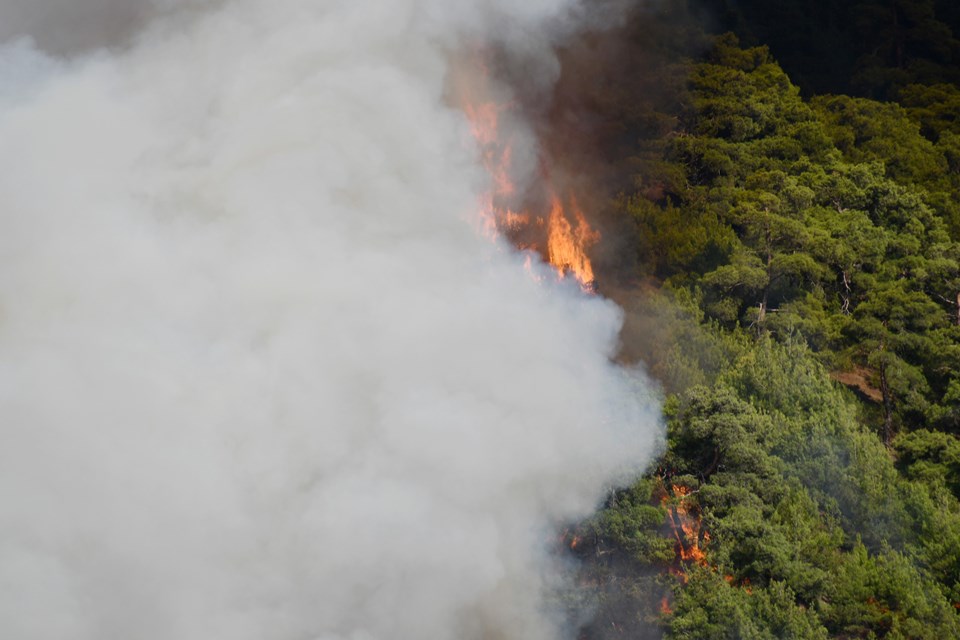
(510, 220)
(686, 525)
(665, 606)
(684, 520)
(566, 244)
(564, 234)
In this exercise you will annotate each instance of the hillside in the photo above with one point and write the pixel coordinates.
(792, 280)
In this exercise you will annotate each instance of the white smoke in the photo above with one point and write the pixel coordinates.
(260, 377)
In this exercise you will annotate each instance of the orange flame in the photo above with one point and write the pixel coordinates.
(687, 528)
(566, 245)
(568, 235)
(665, 606)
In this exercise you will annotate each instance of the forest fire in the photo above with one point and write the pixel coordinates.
(685, 522)
(561, 235)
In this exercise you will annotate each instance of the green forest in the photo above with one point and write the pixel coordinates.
(787, 178)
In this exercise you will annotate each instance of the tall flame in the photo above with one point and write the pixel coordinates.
(566, 245)
(568, 234)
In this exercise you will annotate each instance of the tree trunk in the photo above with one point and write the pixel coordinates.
(766, 290)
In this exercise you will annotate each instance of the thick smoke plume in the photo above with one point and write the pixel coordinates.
(260, 377)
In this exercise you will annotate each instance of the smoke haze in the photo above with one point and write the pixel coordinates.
(260, 376)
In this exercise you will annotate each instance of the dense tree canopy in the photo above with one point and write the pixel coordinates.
(804, 324)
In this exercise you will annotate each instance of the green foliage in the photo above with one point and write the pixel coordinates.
(931, 457)
(633, 525)
(827, 219)
(936, 107)
(812, 531)
(711, 609)
(796, 243)
(865, 130)
(886, 596)
(674, 241)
